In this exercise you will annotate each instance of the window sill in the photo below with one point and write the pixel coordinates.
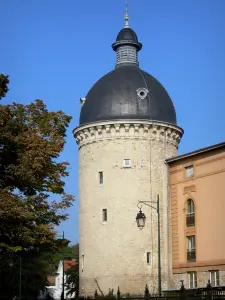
(191, 260)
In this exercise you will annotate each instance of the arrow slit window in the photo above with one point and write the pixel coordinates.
(104, 215)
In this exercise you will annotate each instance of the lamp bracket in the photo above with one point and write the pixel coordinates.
(139, 205)
(146, 203)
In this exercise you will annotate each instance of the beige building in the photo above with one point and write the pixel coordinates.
(127, 129)
(128, 138)
(197, 203)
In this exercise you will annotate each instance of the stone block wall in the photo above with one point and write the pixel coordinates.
(113, 253)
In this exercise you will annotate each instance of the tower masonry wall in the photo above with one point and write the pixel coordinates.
(114, 253)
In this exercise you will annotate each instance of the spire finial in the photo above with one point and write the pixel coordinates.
(126, 18)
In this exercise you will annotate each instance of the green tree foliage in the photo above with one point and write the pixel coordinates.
(4, 81)
(72, 275)
(35, 269)
(70, 251)
(32, 178)
(72, 281)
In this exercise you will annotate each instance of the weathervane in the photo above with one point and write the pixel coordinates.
(126, 18)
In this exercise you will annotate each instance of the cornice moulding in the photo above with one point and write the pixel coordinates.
(142, 130)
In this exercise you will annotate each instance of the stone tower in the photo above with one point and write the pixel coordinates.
(127, 129)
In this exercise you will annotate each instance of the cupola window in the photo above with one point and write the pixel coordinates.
(142, 93)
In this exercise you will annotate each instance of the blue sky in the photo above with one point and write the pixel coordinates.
(55, 50)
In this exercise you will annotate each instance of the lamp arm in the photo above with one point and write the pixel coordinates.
(146, 203)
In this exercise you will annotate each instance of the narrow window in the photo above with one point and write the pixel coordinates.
(190, 218)
(149, 258)
(191, 253)
(214, 278)
(104, 215)
(100, 177)
(82, 263)
(126, 163)
(192, 280)
(189, 171)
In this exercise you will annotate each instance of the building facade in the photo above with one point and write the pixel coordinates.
(197, 201)
(127, 129)
(128, 139)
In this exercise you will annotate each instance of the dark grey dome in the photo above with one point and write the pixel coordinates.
(127, 34)
(116, 96)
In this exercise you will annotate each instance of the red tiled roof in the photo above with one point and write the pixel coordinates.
(68, 264)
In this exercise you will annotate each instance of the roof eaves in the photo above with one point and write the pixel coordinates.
(196, 152)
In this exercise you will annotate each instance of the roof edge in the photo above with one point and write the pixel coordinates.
(131, 121)
(195, 152)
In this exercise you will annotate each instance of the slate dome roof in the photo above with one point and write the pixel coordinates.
(127, 93)
(127, 34)
(115, 97)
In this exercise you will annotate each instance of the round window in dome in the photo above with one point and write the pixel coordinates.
(142, 93)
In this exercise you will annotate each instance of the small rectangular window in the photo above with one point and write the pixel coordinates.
(189, 171)
(100, 177)
(192, 280)
(149, 258)
(214, 278)
(126, 163)
(104, 215)
(82, 263)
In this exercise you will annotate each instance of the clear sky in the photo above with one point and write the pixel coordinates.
(55, 50)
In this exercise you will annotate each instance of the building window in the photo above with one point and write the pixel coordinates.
(214, 278)
(100, 177)
(126, 163)
(189, 171)
(82, 263)
(149, 258)
(191, 253)
(104, 215)
(192, 280)
(190, 218)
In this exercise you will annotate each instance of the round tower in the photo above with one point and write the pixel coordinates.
(127, 130)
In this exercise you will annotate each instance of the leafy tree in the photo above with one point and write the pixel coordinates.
(32, 195)
(35, 269)
(70, 251)
(72, 281)
(4, 81)
(72, 274)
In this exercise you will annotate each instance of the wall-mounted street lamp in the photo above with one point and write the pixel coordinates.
(64, 242)
(11, 263)
(140, 219)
